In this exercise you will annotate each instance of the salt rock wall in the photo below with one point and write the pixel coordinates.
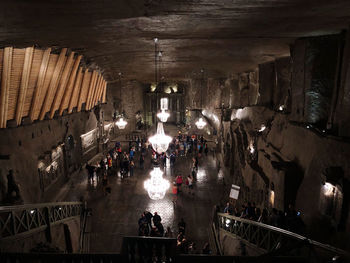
(286, 146)
(127, 96)
(23, 148)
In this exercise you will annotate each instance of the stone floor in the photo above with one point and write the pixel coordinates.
(116, 215)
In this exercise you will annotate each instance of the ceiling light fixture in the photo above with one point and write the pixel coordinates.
(121, 123)
(156, 186)
(160, 141)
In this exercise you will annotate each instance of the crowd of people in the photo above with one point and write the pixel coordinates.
(290, 219)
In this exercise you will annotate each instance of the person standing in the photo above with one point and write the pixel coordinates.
(142, 161)
(179, 182)
(190, 184)
(131, 168)
(175, 192)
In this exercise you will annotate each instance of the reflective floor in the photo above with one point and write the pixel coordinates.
(116, 215)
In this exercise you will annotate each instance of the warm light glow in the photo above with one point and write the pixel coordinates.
(262, 128)
(251, 148)
(121, 123)
(156, 186)
(200, 123)
(328, 189)
(163, 116)
(272, 198)
(164, 103)
(160, 141)
(153, 87)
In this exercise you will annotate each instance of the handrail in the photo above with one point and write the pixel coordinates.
(17, 221)
(38, 205)
(279, 231)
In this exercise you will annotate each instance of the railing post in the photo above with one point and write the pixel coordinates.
(48, 224)
(14, 228)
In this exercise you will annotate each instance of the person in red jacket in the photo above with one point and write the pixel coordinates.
(179, 182)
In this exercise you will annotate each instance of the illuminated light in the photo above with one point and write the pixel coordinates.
(175, 88)
(164, 103)
(323, 131)
(208, 132)
(156, 186)
(200, 123)
(272, 198)
(251, 148)
(121, 123)
(153, 87)
(239, 114)
(227, 222)
(262, 128)
(155, 40)
(32, 211)
(160, 141)
(163, 116)
(281, 108)
(307, 126)
(328, 189)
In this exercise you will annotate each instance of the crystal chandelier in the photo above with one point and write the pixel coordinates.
(163, 116)
(156, 186)
(160, 141)
(121, 123)
(200, 123)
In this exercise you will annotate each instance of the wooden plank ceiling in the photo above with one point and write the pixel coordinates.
(38, 84)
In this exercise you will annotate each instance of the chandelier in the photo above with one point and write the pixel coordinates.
(200, 123)
(156, 186)
(163, 115)
(121, 123)
(160, 141)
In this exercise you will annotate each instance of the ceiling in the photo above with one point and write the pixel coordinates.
(220, 36)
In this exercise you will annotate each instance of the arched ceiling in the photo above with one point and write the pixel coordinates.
(221, 36)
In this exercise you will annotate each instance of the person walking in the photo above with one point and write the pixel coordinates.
(179, 182)
(189, 182)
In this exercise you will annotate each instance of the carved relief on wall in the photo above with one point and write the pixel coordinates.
(88, 140)
(51, 167)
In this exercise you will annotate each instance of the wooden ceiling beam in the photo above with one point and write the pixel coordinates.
(5, 85)
(53, 83)
(27, 66)
(39, 84)
(73, 101)
(70, 86)
(62, 85)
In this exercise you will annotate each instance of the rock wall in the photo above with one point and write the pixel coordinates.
(282, 133)
(26, 148)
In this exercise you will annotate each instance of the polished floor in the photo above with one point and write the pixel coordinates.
(116, 215)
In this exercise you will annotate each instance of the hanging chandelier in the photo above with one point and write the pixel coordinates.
(160, 141)
(156, 186)
(121, 123)
(200, 123)
(163, 116)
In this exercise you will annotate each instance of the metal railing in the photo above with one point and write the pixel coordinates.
(270, 238)
(23, 220)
